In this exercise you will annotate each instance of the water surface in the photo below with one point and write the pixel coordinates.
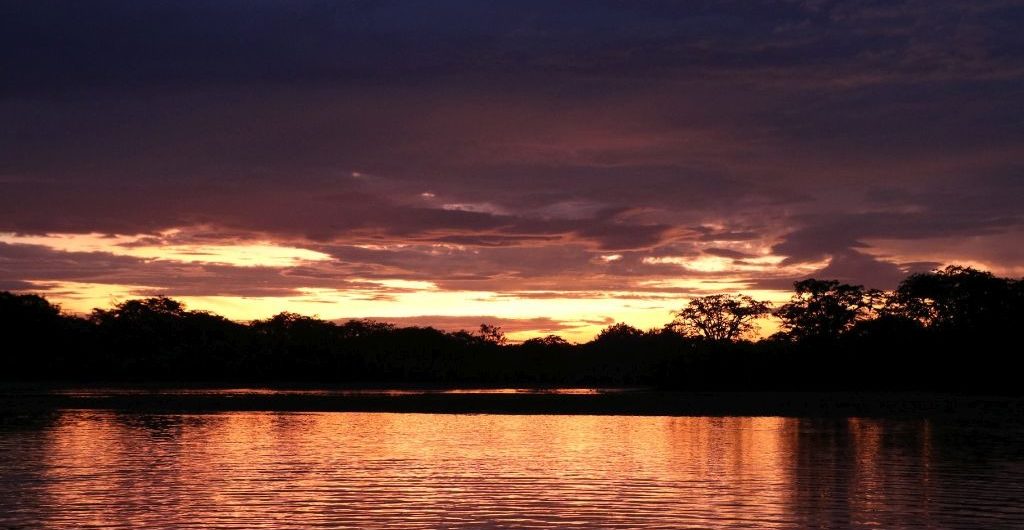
(110, 469)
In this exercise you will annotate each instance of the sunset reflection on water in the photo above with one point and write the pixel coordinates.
(372, 470)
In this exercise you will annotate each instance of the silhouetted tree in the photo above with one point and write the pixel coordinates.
(959, 298)
(549, 341)
(157, 338)
(291, 323)
(298, 346)
(148, 311)
(26, 310)
(824, 308)
(492, 334)
(356, 329)
(719, 317)
(34, 334)
(618, 333)
(944, 330)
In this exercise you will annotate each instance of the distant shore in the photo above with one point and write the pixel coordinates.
(21, 400)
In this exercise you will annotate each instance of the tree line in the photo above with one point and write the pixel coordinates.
(950, 329)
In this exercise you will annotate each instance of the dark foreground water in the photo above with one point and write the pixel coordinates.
(251, 470)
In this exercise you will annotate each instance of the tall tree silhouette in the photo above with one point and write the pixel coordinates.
(30, 325)
(619, 332)
(823, 309)
(960, 298)
(492, 334)
(720, 316)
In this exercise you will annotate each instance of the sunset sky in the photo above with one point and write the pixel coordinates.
(551, 167)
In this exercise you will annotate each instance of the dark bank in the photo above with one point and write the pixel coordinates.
(18, 403)
(952, 330)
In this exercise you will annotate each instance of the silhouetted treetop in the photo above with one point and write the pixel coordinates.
(492, 334)
(547, 341)
(955, 328)
(824, 308)
(720, 316)
(26, 309)
(959, 298)
(618, 332)
(286, 321)
(365, 328)
(147, 308)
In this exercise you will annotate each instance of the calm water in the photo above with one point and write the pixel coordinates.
(105, 469)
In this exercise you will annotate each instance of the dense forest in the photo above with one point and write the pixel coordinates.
(953, 329)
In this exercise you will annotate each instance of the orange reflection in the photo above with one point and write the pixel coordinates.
(370, 470)
(413, 470)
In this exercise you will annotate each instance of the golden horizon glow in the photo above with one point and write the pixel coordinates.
(645, 302)
(711, 263)
(246, 253)
(580, 318)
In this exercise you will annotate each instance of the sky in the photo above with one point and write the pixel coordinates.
(551, 167)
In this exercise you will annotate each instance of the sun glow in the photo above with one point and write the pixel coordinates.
(580, 316)
(706, 263)
(574, 313)
(163, 247)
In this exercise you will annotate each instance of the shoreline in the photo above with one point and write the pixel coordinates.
(26, 401)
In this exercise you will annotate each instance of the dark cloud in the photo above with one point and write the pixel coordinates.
(854, 267)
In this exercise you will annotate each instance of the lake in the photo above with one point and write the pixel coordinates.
(87, 468)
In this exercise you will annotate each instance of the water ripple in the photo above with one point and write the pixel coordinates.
(251, 470)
